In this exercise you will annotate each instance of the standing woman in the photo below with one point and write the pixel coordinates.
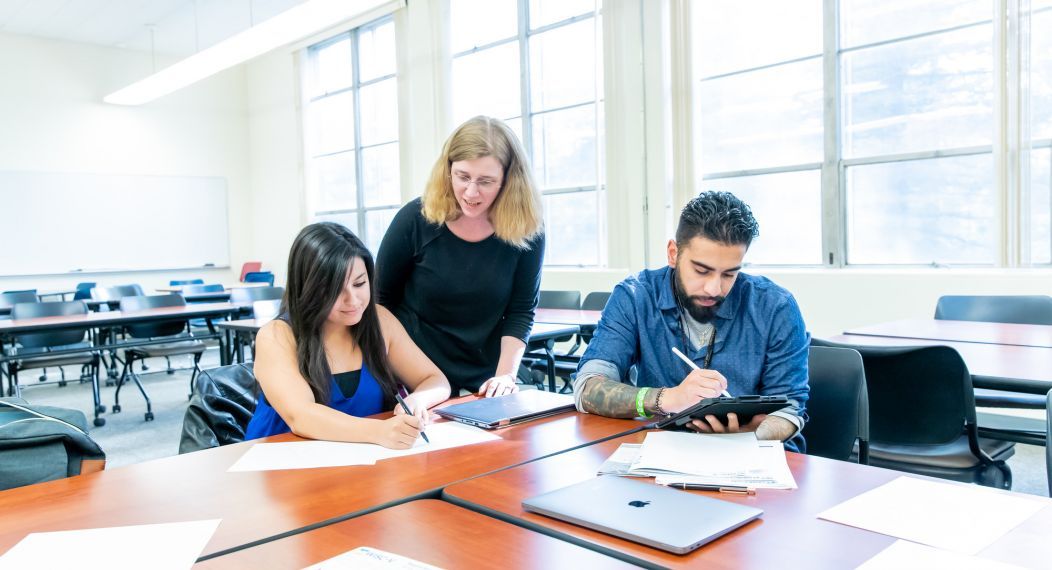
(335, 356)
(461, 266)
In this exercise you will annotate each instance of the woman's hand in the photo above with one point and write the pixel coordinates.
(419, 410)
(498, 386)
(399, 431)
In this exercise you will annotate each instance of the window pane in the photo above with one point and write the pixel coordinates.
(349, 220)
(564, 145)
(544, 12)
(922, 211)
(376, 52)
(333, 123)
(487, 83)
(476, 23)
(562, 66)
(571, 223)
(1041, 74)
(732, 35)
(771, 117)
(376, 223)
(1041, 205)
(332, 68)
(924, 94)
(868, 21)
(380, 175)
(788, 207)
(334, 182)
(379, 112)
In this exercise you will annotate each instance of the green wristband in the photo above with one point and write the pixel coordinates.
(639, 402)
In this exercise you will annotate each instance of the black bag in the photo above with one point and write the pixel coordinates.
(44, 443)
(222, 404)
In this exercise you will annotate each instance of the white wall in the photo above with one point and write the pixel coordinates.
(53, 120)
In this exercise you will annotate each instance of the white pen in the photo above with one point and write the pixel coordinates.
(693, 366)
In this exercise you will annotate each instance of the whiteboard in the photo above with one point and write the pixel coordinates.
(57, 223)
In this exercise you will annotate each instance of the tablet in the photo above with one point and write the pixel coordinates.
(745, 406)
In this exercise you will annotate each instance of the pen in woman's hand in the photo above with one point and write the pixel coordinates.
(405, 408)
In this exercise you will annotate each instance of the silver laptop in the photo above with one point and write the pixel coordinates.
(514, 408)
(665, 518)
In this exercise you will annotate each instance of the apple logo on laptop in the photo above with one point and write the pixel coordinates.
(638, 504)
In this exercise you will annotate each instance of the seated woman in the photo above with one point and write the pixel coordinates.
(334, 356)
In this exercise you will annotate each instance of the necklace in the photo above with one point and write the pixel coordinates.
(688, 341)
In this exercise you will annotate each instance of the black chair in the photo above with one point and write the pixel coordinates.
(594, 301)
(170, 342)
(177, 282)
(259, 277)
(248, 295)
(103, 297)
(838, 409)
(1048, 441)
(565, 362)
(922, 416)
(220, 409)
(34, 348)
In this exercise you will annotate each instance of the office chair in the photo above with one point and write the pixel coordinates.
(170, 342)
(838, 409)
(259, 277)
(922, 415)
(106, 296)
(220, 409)
(594, 301)
(565, 362)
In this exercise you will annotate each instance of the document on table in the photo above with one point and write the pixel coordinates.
(166, 546)
(960, 518)
(728, 459)
(903, 554)
(366, 558)
(309, 454)
(621, 461)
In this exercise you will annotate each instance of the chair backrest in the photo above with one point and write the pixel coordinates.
(54, 337)
(1019, 309)
(32, 291)
(176, 282)
(248, 295)
(259, 277)
(595, 301)
(250, 267)
(222, 404)
(12, 298)
(266, 310)
(116, 292)
(838, 408)
(83, 290)
(198, 289)
(153, 328)
(559, 300)
(1048, 441)
(44, 443)
(918, 395)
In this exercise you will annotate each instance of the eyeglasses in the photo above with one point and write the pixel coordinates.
(483, 184)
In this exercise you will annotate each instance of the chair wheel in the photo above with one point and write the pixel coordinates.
(149, 416)
(116, 408)
(99, 422)
(171, 371)
(42, 377)
(100, 409)
(62, 383)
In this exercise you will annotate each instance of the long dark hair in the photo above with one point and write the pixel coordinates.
(318, 263)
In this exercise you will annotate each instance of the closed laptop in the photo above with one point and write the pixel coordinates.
(514, 408)
(657, 516)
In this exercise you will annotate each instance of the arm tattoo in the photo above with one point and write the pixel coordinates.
(606, 397)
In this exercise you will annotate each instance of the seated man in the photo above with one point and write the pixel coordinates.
(744, 332)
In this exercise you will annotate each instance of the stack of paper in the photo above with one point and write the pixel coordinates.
(366, 558)
(902, 554)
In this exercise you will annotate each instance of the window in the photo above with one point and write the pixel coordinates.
(879, 148)
(555, 105)
(352, 131)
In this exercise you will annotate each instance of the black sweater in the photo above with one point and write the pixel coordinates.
(457, 298)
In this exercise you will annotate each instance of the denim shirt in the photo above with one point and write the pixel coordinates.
(761, 341)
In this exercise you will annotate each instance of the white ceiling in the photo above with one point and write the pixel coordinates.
(180, 27)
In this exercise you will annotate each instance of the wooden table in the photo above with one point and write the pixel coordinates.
(430, 531)
(259, 505)
(962, 331)
(788, 535)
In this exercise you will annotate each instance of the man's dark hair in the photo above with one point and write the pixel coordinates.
(717, 216)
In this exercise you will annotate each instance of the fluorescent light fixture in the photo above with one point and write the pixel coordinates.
(309, 18)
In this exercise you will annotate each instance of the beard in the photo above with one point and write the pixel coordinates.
(697, 312)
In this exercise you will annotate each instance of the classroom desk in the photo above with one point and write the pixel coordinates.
(587, 320)
(430, 531)
(227, 288)
(962, 331)
(259, 505)
(60, 293)
(788, 535)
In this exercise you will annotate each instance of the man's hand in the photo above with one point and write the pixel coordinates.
(697, 386)
(766, 427)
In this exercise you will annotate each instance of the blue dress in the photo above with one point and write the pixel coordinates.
(367, 400)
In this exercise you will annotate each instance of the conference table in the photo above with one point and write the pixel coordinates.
(961, 331)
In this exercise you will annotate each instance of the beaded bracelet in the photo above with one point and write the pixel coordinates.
(639, 402)
(660, 410)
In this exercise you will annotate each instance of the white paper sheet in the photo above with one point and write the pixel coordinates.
(670, 452)
(166, 546)
(621, 461)
(960, 518)
(443, 435)
(772, 473)
(902, 554)
(366, 558)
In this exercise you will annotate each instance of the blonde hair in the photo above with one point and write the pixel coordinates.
(516, 212)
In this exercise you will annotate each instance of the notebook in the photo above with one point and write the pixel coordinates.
(661, 517)
(502, 411)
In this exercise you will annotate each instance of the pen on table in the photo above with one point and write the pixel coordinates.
(405, 408)
(693, 366)
(721, 488)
